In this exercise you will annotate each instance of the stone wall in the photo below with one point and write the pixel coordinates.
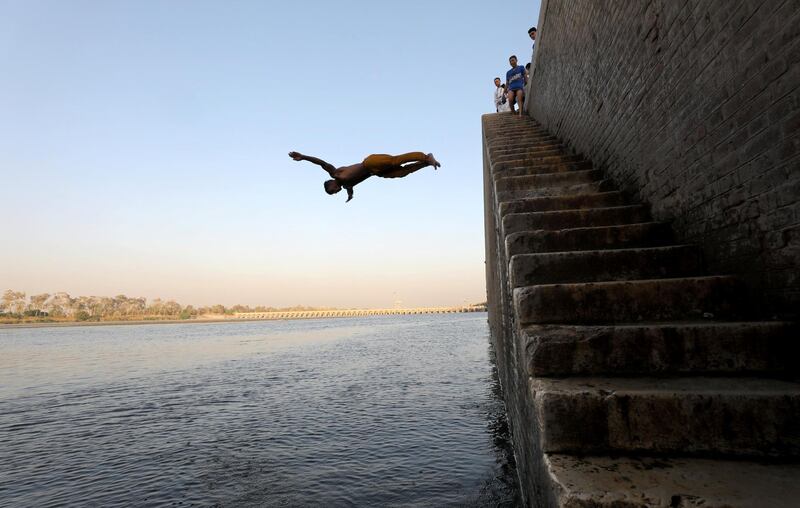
(694, 107)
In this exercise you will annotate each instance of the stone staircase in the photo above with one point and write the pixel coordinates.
(632, 376)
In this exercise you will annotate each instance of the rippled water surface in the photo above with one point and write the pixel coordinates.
(382, 411)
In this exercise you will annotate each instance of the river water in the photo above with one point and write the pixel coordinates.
(379, 411)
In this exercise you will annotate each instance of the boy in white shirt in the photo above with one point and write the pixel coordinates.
(500, 100)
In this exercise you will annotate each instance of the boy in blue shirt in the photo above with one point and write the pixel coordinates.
(515, 80)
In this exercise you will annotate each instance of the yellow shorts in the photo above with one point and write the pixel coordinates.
(382, 164)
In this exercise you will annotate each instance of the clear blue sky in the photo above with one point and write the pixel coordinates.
(143, 147)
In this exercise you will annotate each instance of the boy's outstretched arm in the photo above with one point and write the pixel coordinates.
(330, 168)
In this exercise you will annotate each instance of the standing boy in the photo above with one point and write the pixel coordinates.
(515, 80)
(500, 100)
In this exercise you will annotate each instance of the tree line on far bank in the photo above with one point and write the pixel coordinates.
(16, 306)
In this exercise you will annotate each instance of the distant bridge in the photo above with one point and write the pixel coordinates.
(311, 314)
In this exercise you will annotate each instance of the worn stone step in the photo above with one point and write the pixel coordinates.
(604, 265)
(631, 301)
(538, 169)
(646, 234)
(698, 348)
(647, 482)
(567, 190)
(545, 204)
(513, 128)
(555, 159)
(506, 118)
(570, 219)
(521, 144)
(516, 135)
(492, 131)
(517, 143)
(519, 139)
(747, 417)
(527, 150)
(538, 181)
(525, 158)
(578, 218)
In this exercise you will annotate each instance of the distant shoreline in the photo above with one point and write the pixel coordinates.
(58, 324)
(155, 322)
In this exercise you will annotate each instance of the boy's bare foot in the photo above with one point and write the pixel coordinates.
(433, 162)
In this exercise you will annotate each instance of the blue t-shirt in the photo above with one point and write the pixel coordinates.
(515, 78)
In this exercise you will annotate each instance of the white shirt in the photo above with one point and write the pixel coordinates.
(499, 105)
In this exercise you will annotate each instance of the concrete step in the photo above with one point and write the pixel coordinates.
(647, 234)
(567, 190)
(538, 181)
(570, 219)
(540, 169)
(604, 265)
(550, 159)
(647, 482)
(746, 417)
(546, 204)
(768, 348)
(721, 296)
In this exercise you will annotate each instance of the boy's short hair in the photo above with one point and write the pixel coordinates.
(498, 77)
(512, 56)
(332, 186)
(531, 29)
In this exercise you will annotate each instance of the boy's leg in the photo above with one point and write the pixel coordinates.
(413, 161)
(399, 160)
(511, 101)
(521, 101)
(402, 171)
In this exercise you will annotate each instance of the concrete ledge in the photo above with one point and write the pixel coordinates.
(646, 482)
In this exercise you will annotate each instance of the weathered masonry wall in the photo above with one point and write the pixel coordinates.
(693, 106)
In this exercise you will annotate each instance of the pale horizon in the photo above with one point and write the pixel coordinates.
(143, 149)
